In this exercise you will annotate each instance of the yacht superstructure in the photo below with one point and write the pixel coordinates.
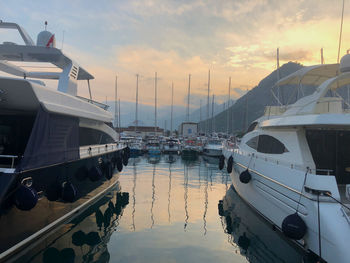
(293, 164)
(58, 151)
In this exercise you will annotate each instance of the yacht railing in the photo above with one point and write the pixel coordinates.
(299, 167)
(99, 104)
(12, 157)
(93, 150)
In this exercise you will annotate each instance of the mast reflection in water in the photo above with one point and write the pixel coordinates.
(172, 217)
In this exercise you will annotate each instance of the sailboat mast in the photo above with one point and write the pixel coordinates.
(207, 122)
(172, 105)
(188, 98)
(155, 103)
(200, 111)
(116, 104)
(228, 106)
(137, 100)
(278, 77)
(212, 114)
(119, 117)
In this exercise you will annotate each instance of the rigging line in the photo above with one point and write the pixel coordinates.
(341, 30)
(330, 195)
(301, 190)
(274, 95)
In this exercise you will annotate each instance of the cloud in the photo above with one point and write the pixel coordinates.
(176, 38)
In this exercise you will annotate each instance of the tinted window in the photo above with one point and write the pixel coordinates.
(253, 142)
(252, 126)
(14, 135)
(269, 144)
(89, 136)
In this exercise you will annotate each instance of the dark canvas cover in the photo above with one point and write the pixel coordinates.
(53, 140)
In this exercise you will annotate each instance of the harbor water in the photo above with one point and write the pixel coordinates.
(167, 209)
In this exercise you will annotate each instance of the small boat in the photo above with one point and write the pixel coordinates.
(136, 146)
(213, 147)
(171, 146)
(58, 151)
(153, 147)
(292, 165)
(189, 148)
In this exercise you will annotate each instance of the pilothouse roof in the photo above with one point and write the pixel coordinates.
(311, 75)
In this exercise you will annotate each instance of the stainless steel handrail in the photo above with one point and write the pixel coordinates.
(13, 157)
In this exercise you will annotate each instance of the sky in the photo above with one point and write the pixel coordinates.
(175, 38)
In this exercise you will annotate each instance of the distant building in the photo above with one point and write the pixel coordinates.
(142, 131)
(188, 129)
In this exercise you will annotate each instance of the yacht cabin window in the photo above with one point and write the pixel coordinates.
(253, 142)
(88, 136)
(252, 126)
(267, 144)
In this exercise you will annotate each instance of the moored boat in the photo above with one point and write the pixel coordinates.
(292, 165)
(58, 151)
(213, 147)
(171, 145)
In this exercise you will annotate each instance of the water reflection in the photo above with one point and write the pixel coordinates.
(251, 236)
(85, 238)
(173, 217)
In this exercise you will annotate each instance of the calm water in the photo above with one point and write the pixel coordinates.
(166, 210)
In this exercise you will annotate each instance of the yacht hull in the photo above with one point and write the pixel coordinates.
(275, 200)
(212, 152)
(22, 228)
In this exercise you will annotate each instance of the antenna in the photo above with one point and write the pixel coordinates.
(62, 40)
(341, 30)
(45, 25)
(188, 98)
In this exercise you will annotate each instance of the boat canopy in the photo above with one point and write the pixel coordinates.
(12, 52)
(312, 75)
(36, 54)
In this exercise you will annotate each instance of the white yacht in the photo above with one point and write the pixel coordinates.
(58, 151)
(171, 145)
(213, 147)
(293, 164)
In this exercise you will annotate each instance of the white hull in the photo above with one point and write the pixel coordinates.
(168, 149)
(212, 152)
(275, 201)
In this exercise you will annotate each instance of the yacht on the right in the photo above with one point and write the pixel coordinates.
(293, 164)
